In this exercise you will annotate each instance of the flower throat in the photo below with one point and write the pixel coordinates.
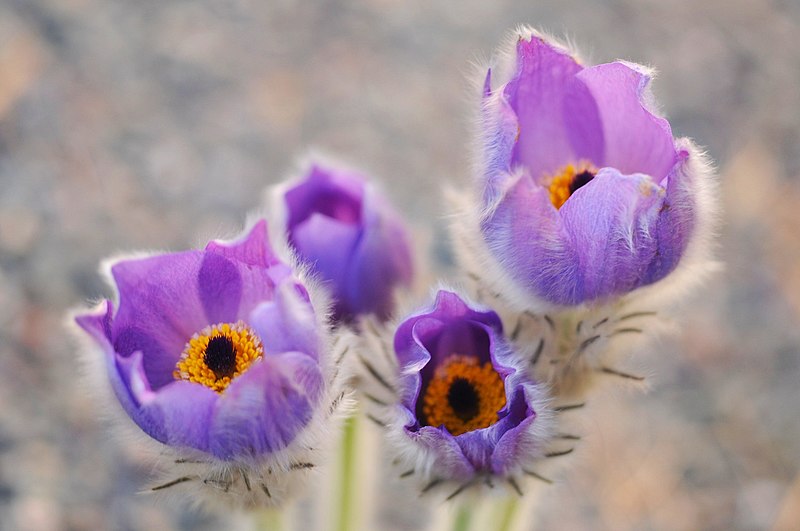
(562, 185)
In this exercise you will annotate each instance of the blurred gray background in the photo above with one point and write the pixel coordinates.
(148, 124)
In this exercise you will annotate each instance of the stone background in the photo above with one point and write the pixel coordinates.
(153, 124)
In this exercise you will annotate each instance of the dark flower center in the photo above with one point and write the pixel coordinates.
(579, 180)
(220, 356)
(463, 395)
(567, 181)
(464, 399)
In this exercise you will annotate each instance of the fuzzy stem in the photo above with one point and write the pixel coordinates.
(347, 474)
(507, 511)
(462, 518)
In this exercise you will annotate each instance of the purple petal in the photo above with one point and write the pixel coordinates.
(611, 222)
(99, 328)
(328, 245)
(558, 120)
(636, 140)
(184, 410)
(676, 221)
(286, 323)
(334, 194)
(450, 458)
(252, 249)
(220, 288)
(528, 237)
(265, 408)
(160, 308)
(380, 261)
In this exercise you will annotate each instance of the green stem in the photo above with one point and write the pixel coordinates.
(270, 520)
(462, 519)
(508, 509)
(347, 474)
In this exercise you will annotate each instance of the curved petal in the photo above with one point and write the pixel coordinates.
(515, 440)
(558, 120)
(500, 130)
(636, 140)
(336, 195)
(184, 410)
(328, 246)
(380, 261)
(287, 323)
(264, 409)
(676, 221)
(160, 307)
(449, 456)
(252, 249)
(612, 223)
(98, 325)
(527, 236)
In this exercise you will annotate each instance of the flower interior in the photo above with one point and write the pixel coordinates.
(217, 354)
(571, 177)
(463, 395)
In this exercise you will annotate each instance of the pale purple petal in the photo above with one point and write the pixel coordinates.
(636, 140)
(545, 96)
(612, 222)
(528, 237)
(287, 323)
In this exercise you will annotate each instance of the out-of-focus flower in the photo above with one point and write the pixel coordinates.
(345, 229)
(217, 355)
(586, 195)
(465, 409)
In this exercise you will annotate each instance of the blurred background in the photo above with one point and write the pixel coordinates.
(153, 124)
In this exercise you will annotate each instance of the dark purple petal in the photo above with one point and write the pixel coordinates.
(381, 260)
(264, 409)
(545, 96)
(334, 194)
(422, 342)
(287, 323)
(611, 222)
(351, 238)
(220, 288)
(636, 140)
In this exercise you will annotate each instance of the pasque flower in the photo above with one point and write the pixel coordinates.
(586, 194)
(466, 409)
(341, 225)
(216, 354)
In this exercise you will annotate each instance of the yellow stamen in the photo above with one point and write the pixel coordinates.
(244, 347)
(563, 184)
(463, 395)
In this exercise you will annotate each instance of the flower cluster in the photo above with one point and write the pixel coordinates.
(239, 359)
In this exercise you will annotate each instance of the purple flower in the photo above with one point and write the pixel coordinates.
(342, 226)
(467, 405)
(587, 195)
(214, 350)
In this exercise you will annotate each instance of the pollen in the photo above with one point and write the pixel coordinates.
(571, 177)
(463, 395)
(218, 354)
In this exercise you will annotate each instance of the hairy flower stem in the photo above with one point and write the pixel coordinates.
(347, 473)
(506, 511)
